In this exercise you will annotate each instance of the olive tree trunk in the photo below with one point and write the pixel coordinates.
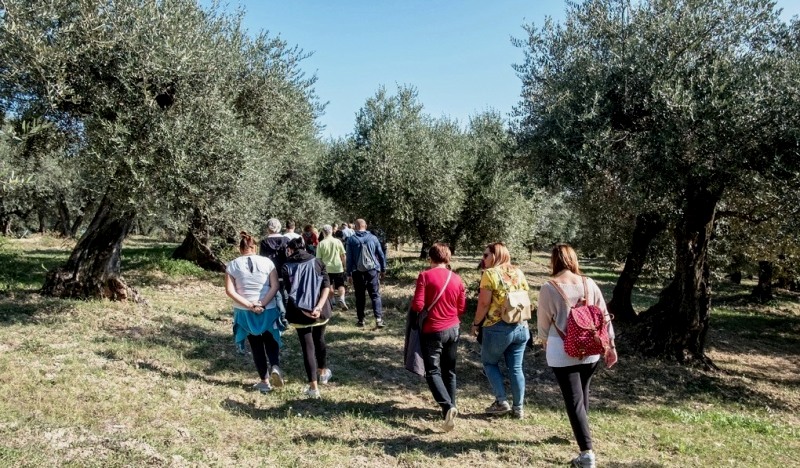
(195, 245)
(93, 268)
(648, 226)
(677, 325)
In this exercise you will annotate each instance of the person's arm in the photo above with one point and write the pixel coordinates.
(610, 357)
(484, 301)
(326, 289)
(462, 298)
(380, 255)
(342, 254)
(273, 288)
(418, 302)
(351, 260)
(545, 312)
(230, 290)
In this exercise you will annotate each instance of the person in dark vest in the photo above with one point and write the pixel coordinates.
(308, 310)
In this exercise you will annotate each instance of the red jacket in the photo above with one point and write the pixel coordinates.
(446, 312)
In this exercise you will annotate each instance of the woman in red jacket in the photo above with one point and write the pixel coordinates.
(440, 293)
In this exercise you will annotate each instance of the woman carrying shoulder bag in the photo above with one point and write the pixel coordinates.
(501, 340)
(440, 296)
(557, 297)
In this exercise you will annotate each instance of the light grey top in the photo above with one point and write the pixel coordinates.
(251, 285)
(552, 306)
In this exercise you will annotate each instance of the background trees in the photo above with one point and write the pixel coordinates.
(676, 105)
(416, 176)
(151, 94)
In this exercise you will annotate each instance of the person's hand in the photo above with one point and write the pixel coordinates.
(474, 330)
(350, 280)
(611, 356)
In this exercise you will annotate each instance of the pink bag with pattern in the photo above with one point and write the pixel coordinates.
(587, 327)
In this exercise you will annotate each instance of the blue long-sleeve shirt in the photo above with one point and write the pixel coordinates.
(354, 246)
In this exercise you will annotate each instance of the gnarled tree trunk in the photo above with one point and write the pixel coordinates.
(93, 268)
(648, 226)
(195, 245)
(677, 325)
(425, 236)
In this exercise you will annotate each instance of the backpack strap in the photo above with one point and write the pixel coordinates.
(566, 301)
(585, 291)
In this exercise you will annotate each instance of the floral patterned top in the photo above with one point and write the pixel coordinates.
(493, 279)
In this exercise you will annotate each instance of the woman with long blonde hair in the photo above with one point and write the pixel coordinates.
(501, 340)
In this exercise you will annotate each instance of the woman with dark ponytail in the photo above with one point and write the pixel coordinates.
(251, 281)
(308, 310)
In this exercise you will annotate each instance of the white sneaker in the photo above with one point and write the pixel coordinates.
(311, 393)
(325, 376)
(263, 387)
(584, 460)
(450, 419)
(276, 377)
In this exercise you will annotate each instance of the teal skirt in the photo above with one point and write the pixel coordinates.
(246, 323)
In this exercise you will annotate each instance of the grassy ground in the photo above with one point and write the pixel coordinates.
(106, 384)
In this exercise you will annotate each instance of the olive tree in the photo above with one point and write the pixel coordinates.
(677, 103)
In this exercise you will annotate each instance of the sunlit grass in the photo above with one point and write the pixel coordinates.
(159, 383)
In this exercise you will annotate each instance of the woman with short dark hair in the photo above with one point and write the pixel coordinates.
(440, 293)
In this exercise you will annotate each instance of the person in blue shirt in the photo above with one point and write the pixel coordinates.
(366, 266)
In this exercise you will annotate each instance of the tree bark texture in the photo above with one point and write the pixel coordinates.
(677, 325)
(648, 226)
(195, 245)
(93, 268)
(763, 290)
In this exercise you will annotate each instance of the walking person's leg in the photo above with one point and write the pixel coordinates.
(448, 362)
(495, 341)
(514, 355)
(360, 291)
(261, 361)
(321, 353)
(587, 372)
(273, 353)
(569, 380)
(306, 337)
(373, 285)
(431, 357)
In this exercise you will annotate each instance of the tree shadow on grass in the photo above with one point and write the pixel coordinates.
(27, 308)
(25, 271)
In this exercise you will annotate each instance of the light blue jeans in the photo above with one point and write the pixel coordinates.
(505, 341)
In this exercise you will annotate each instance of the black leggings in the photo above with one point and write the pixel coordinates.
(574, 383)
(315, 354)
(265, 352)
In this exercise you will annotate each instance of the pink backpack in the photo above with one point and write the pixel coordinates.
(587, 327)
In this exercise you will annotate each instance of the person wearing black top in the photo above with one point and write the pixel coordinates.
(308, 310)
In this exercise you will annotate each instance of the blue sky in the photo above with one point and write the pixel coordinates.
(457, 53)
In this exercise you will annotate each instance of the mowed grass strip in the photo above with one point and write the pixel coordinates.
(108, 384)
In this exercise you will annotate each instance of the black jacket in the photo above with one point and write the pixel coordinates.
(293, 313)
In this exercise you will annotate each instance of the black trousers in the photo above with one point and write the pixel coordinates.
(315, 352)
(574, 383)
(439, 357)
(265, 352)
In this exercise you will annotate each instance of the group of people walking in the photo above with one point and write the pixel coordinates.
(290, 283)
(440, 300)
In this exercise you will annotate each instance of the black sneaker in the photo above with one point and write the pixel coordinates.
(379, 323)
(360, 323)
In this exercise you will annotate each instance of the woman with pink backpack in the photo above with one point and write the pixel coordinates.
(575, 329)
